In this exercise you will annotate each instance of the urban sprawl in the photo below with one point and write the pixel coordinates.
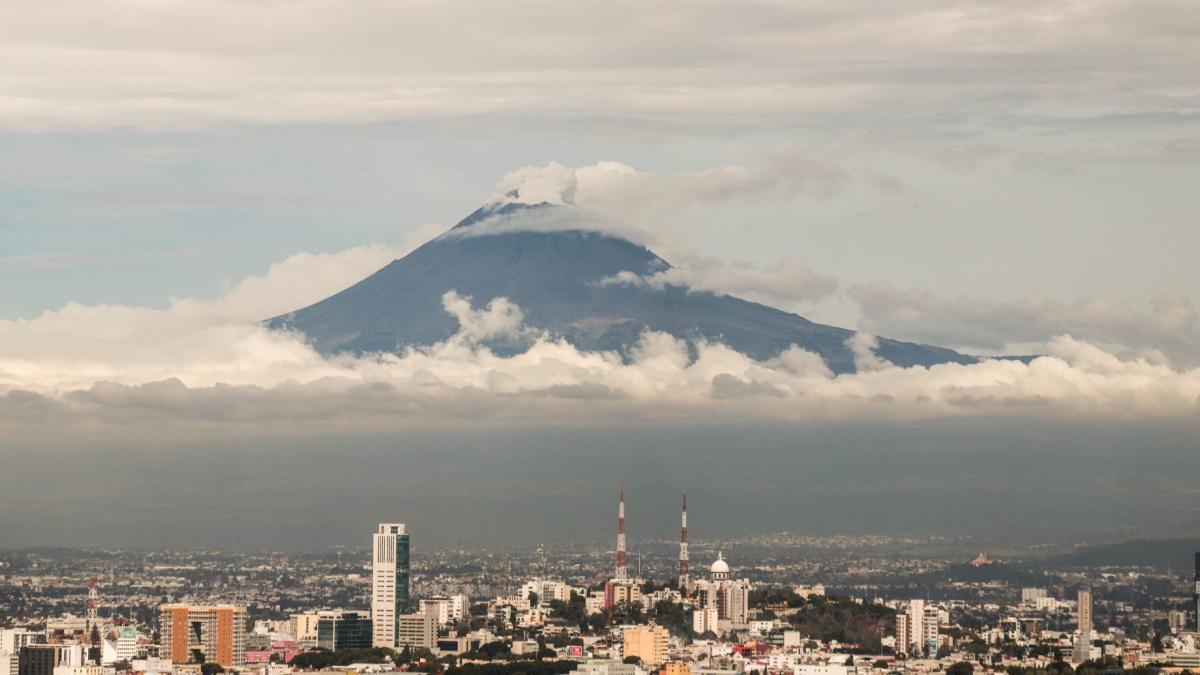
(769, 605)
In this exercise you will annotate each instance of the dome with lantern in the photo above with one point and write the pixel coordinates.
(720, 568)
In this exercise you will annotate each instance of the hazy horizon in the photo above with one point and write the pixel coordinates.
(1076, 484)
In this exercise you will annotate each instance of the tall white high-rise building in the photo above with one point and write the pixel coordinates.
(730, 597)
(916, 625)
(1085, 612)
(1083, 641)
(929, 630)
(903, 633)
(389, 583)
(917, 629)
(1196, 588)
(460, 607)
(11, 641)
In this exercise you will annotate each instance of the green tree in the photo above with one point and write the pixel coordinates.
(321, 659)
(976, 648)
(675, 617)
(960, 668)
(837, 618)
(628, 613)
(573, 610)
(597, 621)
(515, 667)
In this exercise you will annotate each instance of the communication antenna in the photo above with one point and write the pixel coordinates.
(622, 572)
(683, 550)
(93, 605)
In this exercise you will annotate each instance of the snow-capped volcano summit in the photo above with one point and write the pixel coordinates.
(550, 184)
(561, 278)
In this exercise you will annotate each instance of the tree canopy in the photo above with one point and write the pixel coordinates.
(320, 659)
(514, 667)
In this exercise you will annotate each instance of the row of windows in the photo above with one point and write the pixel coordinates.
(391, 549)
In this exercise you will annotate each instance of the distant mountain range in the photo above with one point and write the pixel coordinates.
(1165, 553)
(557, 279)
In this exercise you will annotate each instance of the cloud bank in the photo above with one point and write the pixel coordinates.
(614, 191)
(210, 365)
(83, 64)
(784, 283)
(1169, 327)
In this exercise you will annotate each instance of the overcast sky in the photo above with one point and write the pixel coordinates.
(997, 177)
(993, 150)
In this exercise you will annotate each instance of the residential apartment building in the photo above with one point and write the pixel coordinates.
(213, 633)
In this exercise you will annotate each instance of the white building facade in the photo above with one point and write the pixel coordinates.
(389, 583)
(728, 597)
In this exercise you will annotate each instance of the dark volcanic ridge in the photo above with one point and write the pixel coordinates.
(556, 278)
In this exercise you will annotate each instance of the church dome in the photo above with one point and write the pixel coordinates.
(719, 566)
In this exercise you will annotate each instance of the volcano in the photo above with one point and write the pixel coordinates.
(561, 279)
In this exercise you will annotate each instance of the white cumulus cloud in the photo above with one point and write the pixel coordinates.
(88, 369)
(864, 346)
(500, 319)
(650, 207)
(1169, 325)
(84, 64)
(784, 283)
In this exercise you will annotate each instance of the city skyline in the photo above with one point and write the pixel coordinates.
(1026, 626)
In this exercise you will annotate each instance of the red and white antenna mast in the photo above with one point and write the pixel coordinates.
(622, 568)
(93, 605)
(683, 550)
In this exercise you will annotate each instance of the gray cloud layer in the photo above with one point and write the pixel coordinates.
(96, 64)
(195, 365)
(1170, 326)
